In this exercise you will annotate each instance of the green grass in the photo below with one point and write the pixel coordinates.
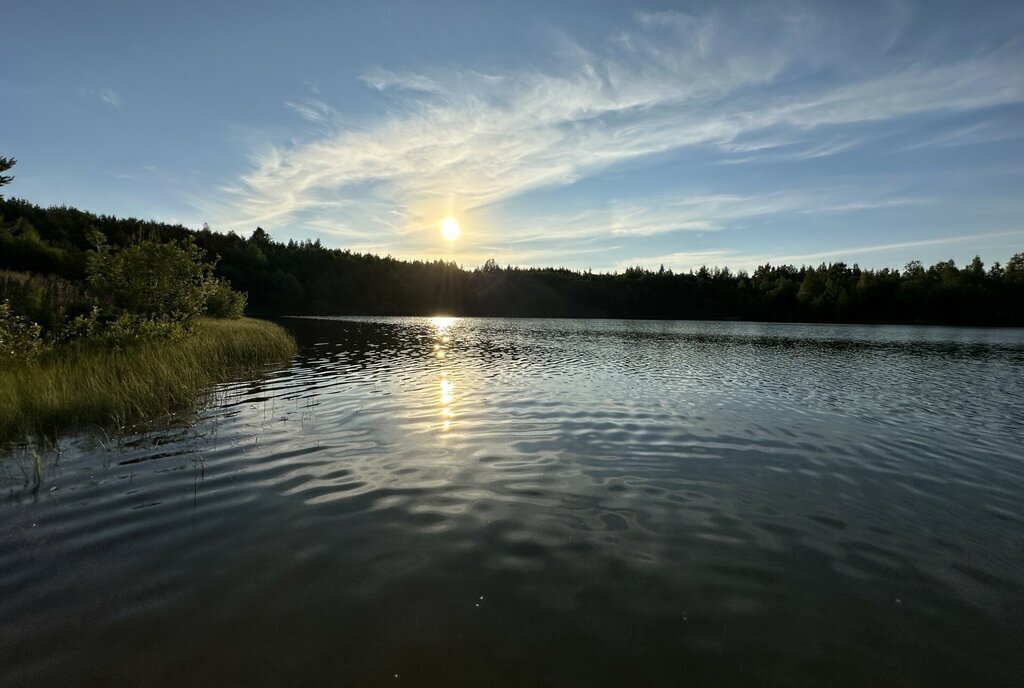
(89, 385)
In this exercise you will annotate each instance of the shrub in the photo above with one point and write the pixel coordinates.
(152, 280)
(223, 302)
(49, 301)
(79, 327)
(20, 339)
(127, 328)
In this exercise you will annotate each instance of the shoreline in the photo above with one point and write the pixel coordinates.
(737, 321)
(85, 385)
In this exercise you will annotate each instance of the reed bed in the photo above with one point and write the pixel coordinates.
(90, 385)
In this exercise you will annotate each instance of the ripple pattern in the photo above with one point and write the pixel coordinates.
(552, 502)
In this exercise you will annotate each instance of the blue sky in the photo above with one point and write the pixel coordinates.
(588, 135)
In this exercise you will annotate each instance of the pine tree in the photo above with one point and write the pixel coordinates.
(6, 164)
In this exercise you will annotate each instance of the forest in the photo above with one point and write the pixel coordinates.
(54, 245)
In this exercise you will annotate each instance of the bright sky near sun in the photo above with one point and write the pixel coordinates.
(588, 135)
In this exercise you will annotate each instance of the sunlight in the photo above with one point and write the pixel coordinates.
(450, 229)
(446, 391)
(442, 323)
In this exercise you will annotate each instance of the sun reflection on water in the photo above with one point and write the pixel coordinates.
(446, 388)
(442, 323)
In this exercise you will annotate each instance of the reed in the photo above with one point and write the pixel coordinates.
(87, 384)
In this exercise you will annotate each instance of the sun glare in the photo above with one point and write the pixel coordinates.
(450, 229)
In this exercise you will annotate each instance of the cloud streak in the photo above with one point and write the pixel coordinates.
(692, 260)
(104, 95)
(461, 140)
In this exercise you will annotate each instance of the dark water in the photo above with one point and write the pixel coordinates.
(502, 502)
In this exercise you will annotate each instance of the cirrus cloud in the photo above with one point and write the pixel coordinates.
(671, 82)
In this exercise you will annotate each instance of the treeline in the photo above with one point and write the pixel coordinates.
(307, 278)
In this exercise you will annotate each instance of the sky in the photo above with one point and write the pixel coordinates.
(590, 135)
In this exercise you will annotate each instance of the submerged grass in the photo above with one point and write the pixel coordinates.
(89, 385)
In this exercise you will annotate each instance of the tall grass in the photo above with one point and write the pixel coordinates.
(90, 385)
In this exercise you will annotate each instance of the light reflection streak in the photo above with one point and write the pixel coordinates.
(446, 388)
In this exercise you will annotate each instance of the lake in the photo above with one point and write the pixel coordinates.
(542, 502)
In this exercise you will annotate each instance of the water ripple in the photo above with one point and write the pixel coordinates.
(543, 501)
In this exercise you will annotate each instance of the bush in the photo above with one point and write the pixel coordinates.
(49, 301)
(223, 302)
(79, 327)
(127, 328)
(20, 339)
(152, 280)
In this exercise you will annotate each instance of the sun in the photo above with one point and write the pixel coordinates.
(450, 229)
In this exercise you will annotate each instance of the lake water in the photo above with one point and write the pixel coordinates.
(543, 502)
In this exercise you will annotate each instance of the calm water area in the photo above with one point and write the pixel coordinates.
(480, 502)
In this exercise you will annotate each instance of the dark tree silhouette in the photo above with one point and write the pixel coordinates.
(307, 278)
(6, 164)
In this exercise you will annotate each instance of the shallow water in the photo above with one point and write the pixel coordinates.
(543, 502)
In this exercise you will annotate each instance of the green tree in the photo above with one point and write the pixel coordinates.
(914, 269)
(6, 164)
(1014, 270)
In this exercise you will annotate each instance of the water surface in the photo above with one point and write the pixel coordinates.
(543, 502)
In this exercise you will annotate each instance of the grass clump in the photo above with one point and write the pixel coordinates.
(92, 384)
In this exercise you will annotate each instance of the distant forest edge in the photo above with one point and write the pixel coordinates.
(305, 278)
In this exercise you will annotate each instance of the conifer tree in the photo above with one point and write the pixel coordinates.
(6, 164)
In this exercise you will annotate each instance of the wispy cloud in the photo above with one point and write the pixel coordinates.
(105, 95)
(312, 110)
(975, 133)
(692, 260)
(646, 216)
(588, 236)
(459, 140)
(386, 80)
(637, 217)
